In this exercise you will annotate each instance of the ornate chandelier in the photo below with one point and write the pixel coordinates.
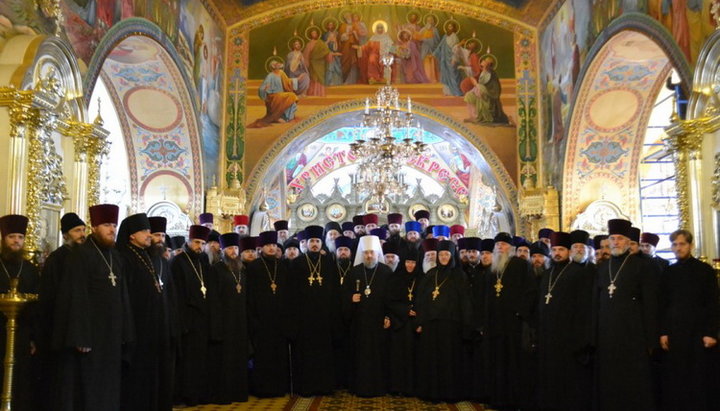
(388, 138)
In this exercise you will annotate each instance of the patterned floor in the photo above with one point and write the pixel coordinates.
(338, 402)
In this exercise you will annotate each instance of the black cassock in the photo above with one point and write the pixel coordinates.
(149, 376)
(689, 301)
(626, 333)
(268, 316)
(509, 333)
(403, 339)
(564, 371)
(315, 310)
(368, 339)
(444, 311)
(25, 370)
(99, 317)
(198, 324)
(342, 339)
(475, 366)
(230, 357)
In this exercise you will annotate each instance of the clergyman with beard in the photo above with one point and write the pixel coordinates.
(148, 378)
(390, 251)
(195, 284)
(563, 380)
(98, 325)
(475, 364)
(601, 244)
(539, 258)
(511, 299)
(344, 263)
(626, 314)
(429, 249)
(368, 305)
(410, 244)
(315, 308)
(73, 231)
(16, 267)
(332, 231)
(230, 360)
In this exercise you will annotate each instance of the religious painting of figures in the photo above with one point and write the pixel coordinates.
(201, 45)
(453, 62)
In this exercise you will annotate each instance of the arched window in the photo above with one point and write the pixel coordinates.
(658, 196)
(114, 171)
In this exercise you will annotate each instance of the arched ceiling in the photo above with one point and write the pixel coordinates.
(608, 124)
(157, 123)
(523, 12)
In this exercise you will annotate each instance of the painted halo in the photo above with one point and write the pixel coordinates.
(272, 59)
(453, 21)
(293, 39)
(424, 19)
(309, 29)
(329, 19)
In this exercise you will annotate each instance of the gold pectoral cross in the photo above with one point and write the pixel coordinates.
(273, 287)
(319, 280)
(311, 279)
(498, 288)
(410, 296)
(611, 289)
(435, 293)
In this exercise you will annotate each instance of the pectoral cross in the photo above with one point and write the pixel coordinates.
(319, 280)
(273, 287)
(548, 296)
(498, 288)
(112, 278)
(435, 293)
(203, 290)
(311, 279)
(611, 289)
(410, 296)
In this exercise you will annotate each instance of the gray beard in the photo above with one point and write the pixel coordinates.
(538, 271)
(234, 264)
(616, 252)
(499, 262)
(330, 245)
(578, 258)
(428, 265)
(371, 265)
(393, 267)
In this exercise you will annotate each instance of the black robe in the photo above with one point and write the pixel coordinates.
(661, 262)
(268, 316)
(445, 321)
(315, 323)
(230, 357)
(99, 317)
(149, 377)
(369, 354)
(689, 296)
(475, 362)
(403, 339)
(49, 353)
(25, 369)
(198, 325)
(626, 328)
(509, 334)
(563, 337)
(342, 338)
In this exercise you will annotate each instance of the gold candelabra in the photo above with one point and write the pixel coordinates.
(11, 304)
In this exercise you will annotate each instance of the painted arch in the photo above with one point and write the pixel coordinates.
(626, 69)
(156, 107)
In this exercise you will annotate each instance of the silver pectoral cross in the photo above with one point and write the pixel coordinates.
(548, 296)
(611, 289)
(112, 278)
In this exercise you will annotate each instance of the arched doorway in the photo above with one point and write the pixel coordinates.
(626, 71)
(157, 121)
(461, 174)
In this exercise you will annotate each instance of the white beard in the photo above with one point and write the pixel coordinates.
(428, 265)
(499, 262)
(330, 245)
(578, 257)
(393, 266)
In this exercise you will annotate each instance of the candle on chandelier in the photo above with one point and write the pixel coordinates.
(367, 105)
(409, 105)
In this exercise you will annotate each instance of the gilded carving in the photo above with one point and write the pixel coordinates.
(716, 183)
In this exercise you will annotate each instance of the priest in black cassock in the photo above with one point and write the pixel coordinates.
(148, 378)
(94, 300)
(511, 298)
(403, 339)
(563, 315)
(73, 230)
(626, 318)
(411, 243)
(268, 317)
(315, 307)
(230, 360)
(368, 304)
(444, 319)
(689, 327)
(648, 246)
(195, 283)
(475, 362)
(344, 263)
(16, 267)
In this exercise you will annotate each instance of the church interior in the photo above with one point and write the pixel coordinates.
(508, 116)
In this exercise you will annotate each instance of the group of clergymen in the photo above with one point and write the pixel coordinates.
(133, 320)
